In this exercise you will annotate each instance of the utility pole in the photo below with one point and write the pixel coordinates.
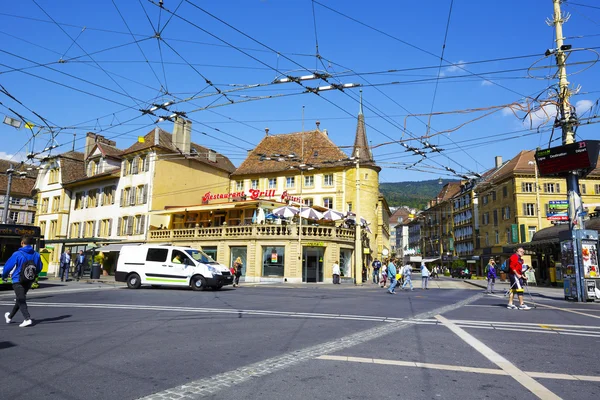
(357, 229)
(566, 119)
(9, 173)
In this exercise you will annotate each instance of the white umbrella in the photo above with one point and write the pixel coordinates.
(332, 215)
(363, 221)
(309, 213)
(286, 211)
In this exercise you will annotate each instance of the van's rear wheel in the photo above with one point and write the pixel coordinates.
(134, 281)
(198, 283)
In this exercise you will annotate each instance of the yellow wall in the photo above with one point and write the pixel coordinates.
(200, 178)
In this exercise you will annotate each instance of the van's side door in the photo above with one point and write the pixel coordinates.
(156, 271)
(178, 266)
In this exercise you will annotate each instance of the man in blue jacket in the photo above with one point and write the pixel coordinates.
(21, 285)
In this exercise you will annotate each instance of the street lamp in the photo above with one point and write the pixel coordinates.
(537, 195)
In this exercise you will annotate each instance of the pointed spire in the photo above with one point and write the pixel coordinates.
(360, 141)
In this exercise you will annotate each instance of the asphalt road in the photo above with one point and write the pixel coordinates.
(99, 341)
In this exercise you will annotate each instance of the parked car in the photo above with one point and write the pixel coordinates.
(460, 273)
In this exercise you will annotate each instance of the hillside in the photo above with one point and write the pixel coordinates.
(412, 194)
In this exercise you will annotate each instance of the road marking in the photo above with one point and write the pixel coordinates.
(569, 310)
(39, 292)
(458, 368)
(592, 308)
(211, 385)
(528, 382)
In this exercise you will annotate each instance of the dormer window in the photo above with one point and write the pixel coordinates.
(92, 168)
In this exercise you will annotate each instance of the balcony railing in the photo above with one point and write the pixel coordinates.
(254, 231)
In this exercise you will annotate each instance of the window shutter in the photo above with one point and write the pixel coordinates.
(101, 196)
(524, 209)
(142, 224)
(558, 188)
(134, 165)
(145, 194)
(130, 225)
(522, 186)
(98, 198)
(81, 230)
(123, 163)
(132, 196)
(109, 233)
(147, 163)
(113, 192)
(122, 199)
(119, 225)
(94, 228)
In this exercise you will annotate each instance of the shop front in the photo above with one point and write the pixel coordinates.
(271, 249)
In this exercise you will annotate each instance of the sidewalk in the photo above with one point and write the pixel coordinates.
(501, 287)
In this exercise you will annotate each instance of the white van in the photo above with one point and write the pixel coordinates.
(170, 265)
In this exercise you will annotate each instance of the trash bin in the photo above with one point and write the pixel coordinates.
(95, 274)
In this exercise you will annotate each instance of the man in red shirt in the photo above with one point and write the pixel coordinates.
(517, 279)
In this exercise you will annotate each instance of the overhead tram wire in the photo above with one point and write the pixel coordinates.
(410, 44)
(138, 45)
(258, 60)
(82, 49)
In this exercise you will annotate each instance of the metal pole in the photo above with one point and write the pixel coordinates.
(566, 121)
(537, 197)
(357, 230)
(9, 173)
(300, 255)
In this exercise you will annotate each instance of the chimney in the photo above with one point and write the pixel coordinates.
(498, 161)
(318, 124)
(90, 141)
(267, 131)
(156, 135)
(182, 134)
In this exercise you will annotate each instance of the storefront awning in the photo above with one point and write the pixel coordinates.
(415, 259)
(431, 259)
(111, 247)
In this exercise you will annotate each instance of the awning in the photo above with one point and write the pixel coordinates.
(426, 260)
(415, 259)
(111, 247)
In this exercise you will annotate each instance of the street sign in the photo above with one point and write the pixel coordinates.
(558, 161)
(558, 210)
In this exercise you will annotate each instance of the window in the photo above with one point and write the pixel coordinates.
(43, 228)
(506, 213)
(487, 239)
(504, 191)
(529, 209)
(53, 227)
(582, 188)
(142, 194)
(350, 207)
(508, 235)
(552, 187)
(485, 218)
(309, 181)
(74, 233)
(45, 202)
(108, 196)
(497, 237)
(140, 221)
(125, 226)
(157, 255)
(596, 189)
(290, 182)
(328, 202)
(13, 216)
(55, 203)
(53, 175)
(527, 187)
(485, 199)
(239, 185)
(273, 260)
(143, 163)
(530, 232)
(105, 228)
(92, 168)
(126, 167)
(78, 200)
(495, 217)
(328, 180)
(309, 202)
(90, 229)
(135, 165)
(493, 195)
(272, 183)
(92, 198)
(254, 184)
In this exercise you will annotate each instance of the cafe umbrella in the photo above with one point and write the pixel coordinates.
(286, 211)
(332, 215)
(310, 213)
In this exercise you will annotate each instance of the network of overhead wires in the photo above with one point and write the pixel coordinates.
(148, 66)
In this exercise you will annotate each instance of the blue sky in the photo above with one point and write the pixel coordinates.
(105, 79)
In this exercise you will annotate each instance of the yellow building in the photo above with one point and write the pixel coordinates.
(296, 168)
(509, 212)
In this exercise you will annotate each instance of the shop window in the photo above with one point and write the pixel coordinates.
(346, 262)
(241, 252)
(273, 260)
(210, 251)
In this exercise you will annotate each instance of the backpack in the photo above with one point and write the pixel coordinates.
(28, 271)
(504, 266)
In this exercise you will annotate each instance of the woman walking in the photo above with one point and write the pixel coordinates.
(237, 265)
(491, 276)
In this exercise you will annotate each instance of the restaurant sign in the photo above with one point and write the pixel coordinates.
(252, 194)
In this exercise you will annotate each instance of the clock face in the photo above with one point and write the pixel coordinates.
(579, 156)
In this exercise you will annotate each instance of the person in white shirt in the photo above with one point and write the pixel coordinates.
(407, 276)
(336, 273)
(424, 277)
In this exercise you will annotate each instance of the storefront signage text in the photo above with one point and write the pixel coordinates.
(253, 194)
